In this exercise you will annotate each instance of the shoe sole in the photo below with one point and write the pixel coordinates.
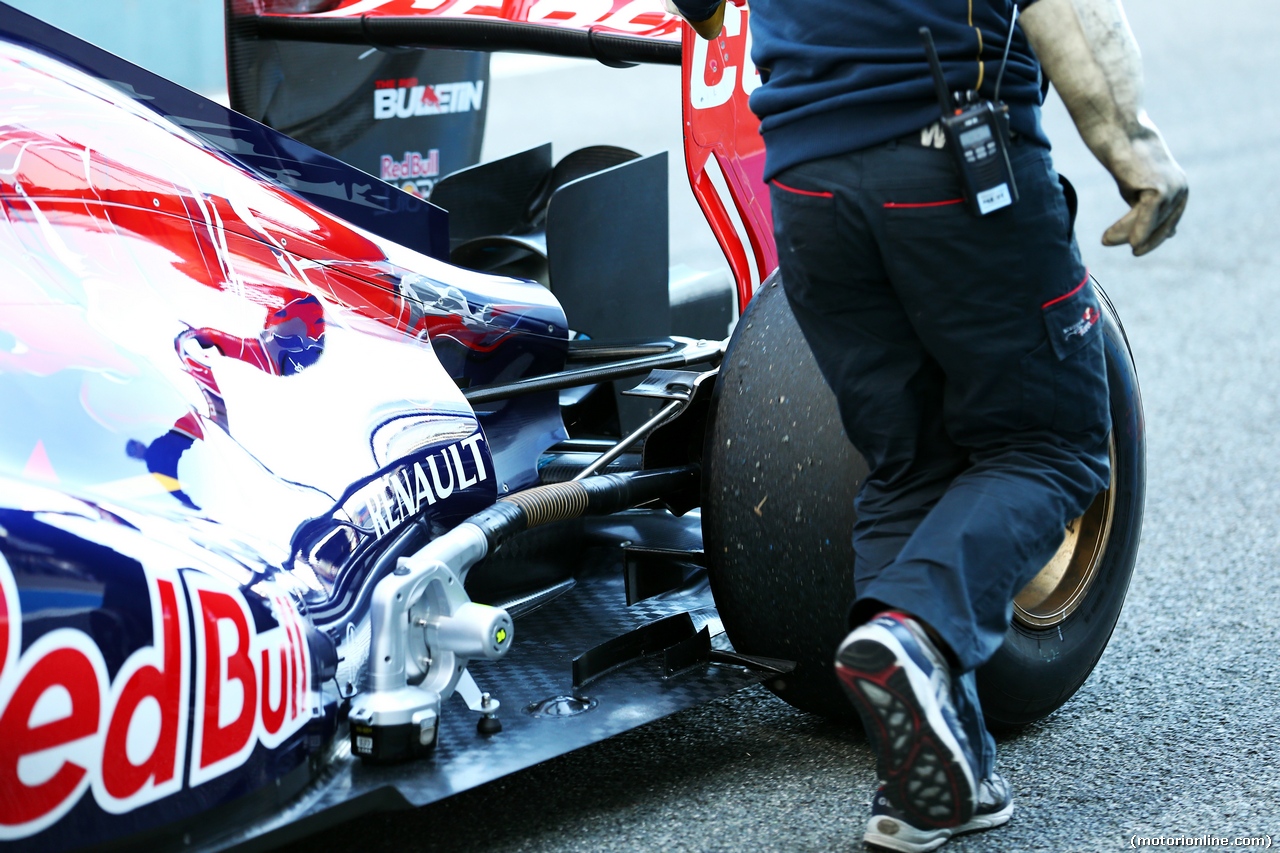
(927, 777)
(890, 834)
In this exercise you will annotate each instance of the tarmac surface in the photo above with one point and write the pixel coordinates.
(1177, 733)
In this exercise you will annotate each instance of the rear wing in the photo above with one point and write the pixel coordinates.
(723, 149)
(615, 32)
(724, 153)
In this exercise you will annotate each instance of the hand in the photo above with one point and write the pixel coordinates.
(1155, 187)
(1090, 55)
(708, 29)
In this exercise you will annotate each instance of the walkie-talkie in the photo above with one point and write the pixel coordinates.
(977, 134)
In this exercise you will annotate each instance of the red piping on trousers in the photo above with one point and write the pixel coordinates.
(896, 205)
(1066, 296)
(780, 185)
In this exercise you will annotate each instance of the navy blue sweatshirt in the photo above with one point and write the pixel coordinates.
(847, 74)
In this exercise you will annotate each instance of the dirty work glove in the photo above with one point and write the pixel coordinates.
(1090, 55)
(709, 28)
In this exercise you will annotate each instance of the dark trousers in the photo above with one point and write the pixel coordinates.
(966, 356)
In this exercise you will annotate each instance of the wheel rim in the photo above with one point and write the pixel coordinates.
(1055, 593)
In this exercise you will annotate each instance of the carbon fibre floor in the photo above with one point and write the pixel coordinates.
(539, 667)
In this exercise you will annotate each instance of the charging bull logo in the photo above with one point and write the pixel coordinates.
(66, 727)
(407, 98)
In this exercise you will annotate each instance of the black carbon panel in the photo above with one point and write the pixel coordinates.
(538, 667)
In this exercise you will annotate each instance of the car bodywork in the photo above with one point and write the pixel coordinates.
(240, 382)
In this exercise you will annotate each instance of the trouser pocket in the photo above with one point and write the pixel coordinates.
(1065, 378)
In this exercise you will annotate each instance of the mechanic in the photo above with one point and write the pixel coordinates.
(964, 349)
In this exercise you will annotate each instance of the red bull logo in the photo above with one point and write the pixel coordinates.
(412, 167)
(66, 728)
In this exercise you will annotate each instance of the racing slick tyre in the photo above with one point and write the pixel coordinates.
(777, 513)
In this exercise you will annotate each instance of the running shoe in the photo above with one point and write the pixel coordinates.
(901, 686)
(890, 830)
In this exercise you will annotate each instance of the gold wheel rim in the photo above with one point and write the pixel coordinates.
(1055, 593)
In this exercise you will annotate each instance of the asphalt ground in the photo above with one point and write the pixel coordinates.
(1177, 733)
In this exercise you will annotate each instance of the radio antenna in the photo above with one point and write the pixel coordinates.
(939, 81)
(1004, 60)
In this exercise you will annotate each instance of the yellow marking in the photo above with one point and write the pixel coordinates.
(501, 636)
(169, 484)
(982, 66)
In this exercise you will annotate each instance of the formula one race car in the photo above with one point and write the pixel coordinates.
(316, 498)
